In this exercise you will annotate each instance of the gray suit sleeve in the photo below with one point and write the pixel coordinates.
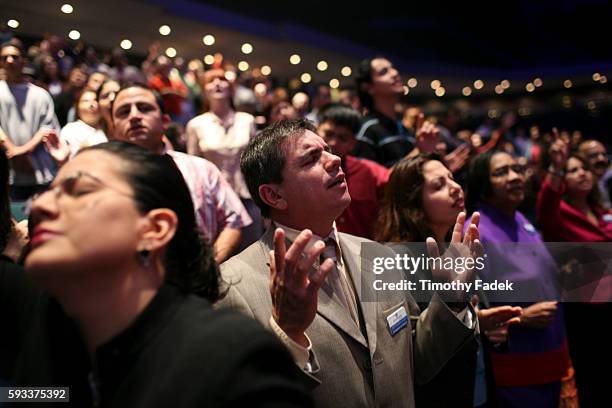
(439, 336)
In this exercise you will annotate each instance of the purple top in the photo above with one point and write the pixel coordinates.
(515, 251)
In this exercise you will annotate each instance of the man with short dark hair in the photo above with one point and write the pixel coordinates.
(366, 179)
(354, 344)
(139, 118)
(382, 137)
(26, 118)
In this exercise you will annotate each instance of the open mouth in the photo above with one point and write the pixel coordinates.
(459, 203)
(338, 180)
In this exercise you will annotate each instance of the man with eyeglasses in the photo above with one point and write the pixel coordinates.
(597, 156)
(26, 118)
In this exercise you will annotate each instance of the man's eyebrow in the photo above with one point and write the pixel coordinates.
(308, 153)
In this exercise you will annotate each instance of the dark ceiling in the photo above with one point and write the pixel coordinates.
(500, 35)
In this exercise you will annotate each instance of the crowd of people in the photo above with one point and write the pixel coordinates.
(160, 200)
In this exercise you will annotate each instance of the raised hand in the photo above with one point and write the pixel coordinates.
(559, 151)
(57, 148)
(427, 134)
(294, 283)
(468, 248)
(456, 159)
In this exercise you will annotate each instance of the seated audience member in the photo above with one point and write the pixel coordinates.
(530, 369)
(422, 199)
(595, 152)
(366, 179)
(220, 135)
(138, 118)
(569, 210)
(115, 302)
(311, 294)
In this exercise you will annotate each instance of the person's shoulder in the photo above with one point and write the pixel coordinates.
(245, 264)
(201, 118)
(244, 117)
(38, 91)
(365, 248)
(193, 160)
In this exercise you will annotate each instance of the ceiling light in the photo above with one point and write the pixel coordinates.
(243, 66)
(171, 52)
(67, 9)
(295, 59)
(126, 44)
(164, 30)
(246, 48)
(208, 39)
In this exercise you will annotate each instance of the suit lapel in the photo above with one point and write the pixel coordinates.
(363, 284)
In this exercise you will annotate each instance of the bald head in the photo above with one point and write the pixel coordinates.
(595, 152)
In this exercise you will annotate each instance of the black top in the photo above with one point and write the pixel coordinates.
(179, 352)
(383, 140)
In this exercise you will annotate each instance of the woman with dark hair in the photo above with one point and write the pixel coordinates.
(85, 131)
(569, 207)
(423, 200)
(123, 314)
(569, 210)
(530, 368)
(105, 97)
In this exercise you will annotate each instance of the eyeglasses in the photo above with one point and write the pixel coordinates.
(505, 170)
(71, 186)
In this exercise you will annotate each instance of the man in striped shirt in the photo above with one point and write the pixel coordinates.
(139, 118)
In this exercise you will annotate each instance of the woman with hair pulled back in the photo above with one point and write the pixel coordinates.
(422, 199)
(116, 302)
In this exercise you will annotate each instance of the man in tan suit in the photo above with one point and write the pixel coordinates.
(354, 344)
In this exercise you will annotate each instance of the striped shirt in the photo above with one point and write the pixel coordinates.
(216, 205)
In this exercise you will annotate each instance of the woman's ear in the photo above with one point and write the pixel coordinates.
(272, 195)
(159, 228)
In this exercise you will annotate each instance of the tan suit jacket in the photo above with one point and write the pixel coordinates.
(353, 367)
